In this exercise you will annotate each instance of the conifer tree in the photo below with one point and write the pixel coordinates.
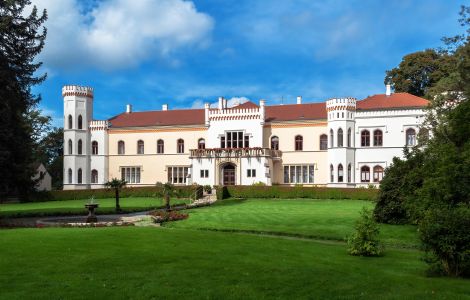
(22, 38)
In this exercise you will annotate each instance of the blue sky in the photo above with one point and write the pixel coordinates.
(185, 53)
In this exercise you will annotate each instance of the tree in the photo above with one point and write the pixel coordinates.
(21, 40)
(365, 240)
(168, 190)
(50, 152)
(116, 185)
(419, 71)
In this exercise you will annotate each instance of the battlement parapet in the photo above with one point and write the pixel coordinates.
(98, 125)
(76, 90)
(334, 104)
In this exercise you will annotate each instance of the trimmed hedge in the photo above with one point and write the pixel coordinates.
(289, 192)
(148, 191)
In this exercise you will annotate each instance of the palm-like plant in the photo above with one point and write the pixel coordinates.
(168, 190)
(116, 185)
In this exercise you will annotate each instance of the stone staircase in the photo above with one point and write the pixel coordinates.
(206, 199)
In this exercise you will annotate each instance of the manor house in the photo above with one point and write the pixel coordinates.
(342, 142)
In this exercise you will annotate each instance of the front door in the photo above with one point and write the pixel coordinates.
(229, 175)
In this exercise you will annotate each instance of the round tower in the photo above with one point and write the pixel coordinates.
(341, 127)
(78, 112)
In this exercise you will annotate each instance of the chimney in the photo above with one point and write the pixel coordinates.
(128, 108)
(388, 90)
(299, 99)
(206, 113)
(164, 106)
(262, 109)
(221, 103)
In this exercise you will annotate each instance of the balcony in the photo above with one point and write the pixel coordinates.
(235, 152)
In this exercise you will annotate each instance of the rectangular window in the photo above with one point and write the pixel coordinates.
(286, 174)
(251, 173)
(204, 174)
(130, 174)
(178, 175)
(299, 174)
(234, 139)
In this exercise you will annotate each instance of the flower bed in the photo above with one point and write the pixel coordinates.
(166, 216)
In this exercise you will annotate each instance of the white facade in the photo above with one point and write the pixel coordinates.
(348, 146)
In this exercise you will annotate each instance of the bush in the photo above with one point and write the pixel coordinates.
(445, 235)
(148, 191)
(165, 216)
(365, 240)
(208, 188)
(288, 192)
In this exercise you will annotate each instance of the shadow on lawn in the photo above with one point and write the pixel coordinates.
(229, 202)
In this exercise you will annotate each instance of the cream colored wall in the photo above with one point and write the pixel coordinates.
(311, 153)
(153, 165)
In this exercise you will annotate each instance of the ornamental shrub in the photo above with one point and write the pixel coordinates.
(445, 235)
(365, 240)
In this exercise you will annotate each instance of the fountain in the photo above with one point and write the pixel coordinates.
(91, 206)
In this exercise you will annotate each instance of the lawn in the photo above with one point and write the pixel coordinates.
(321, 219)
(164, 263)
(77, 206)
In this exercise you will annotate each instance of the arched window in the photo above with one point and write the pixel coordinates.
(332, 144)
(121, 147)
(410, 137)
(332, 173)
(180, 146)
(323, 142)
(423, 136)
(349, 172)
(94, 176)
(340, 173)
(140, 147)
(378, 137)
(378, 173)
(79, 176)
(70, 176)
(299, 143)
(201, 144)
(160, 146)
(70, 147)
(349, 137)
(70, 122)
(94, 148)
(365, 174)
(80, 122)
(340, 137)
(79, 147)
(275, 143)
(365, 138)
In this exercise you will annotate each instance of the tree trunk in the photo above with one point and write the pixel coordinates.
(167, 202)
(118, 207)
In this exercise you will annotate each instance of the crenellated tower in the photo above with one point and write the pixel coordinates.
(341, 143)
(78, 113)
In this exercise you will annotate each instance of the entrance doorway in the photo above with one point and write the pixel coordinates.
(229, 174)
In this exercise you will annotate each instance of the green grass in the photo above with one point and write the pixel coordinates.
(322, 219)
(77, 206)
(162, 263)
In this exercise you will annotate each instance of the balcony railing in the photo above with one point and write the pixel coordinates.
(235, 152)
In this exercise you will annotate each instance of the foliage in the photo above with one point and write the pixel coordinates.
(365, 240)
(288, 192)
(21, 40)
(419, 71)
(208, 188)
(445, 235)
(50, 151)
(116, 185)
(259, 183)
(168, 189)
(166, 216)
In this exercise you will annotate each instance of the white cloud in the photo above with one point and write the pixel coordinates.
(120, 33)
(234, 101)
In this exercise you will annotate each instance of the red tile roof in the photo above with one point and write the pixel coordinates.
(159, 118)
(289, 112)
(395, 100)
